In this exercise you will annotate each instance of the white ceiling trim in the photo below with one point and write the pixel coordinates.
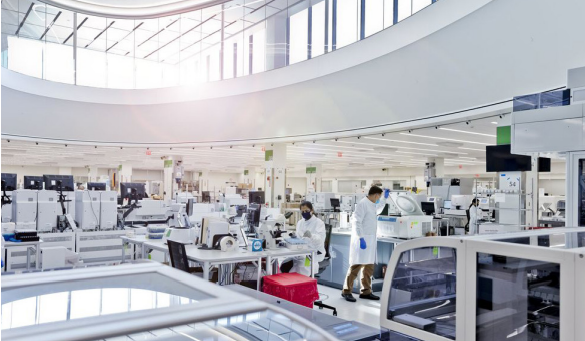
(126, 9)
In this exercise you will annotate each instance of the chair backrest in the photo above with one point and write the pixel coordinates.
(328, 229)
(178, 255)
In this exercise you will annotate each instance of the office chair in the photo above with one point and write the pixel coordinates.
(468, 220)
(179, 257)
(323, 266)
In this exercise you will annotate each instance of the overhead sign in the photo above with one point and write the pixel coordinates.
(339, 154)
(168, 163)
(148, 152)
(268, 155)
(311, 170)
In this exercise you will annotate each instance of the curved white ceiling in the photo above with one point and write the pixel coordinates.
(499, 51)
(131, 9)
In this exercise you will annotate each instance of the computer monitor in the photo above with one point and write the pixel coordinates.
(253, 215)
(96, 186)
(335, 205)
(427, 207)
(132, 190)
(447, 204)
(59, 182)
(33, 182)
(256, 197)
(8, 182)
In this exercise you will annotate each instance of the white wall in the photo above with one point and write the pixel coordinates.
(554, 186)
(497, 52)
(298, 184)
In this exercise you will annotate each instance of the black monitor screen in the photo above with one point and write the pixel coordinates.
(543, 164)
(33, 182)
(428, 207)
(96, 186)
(52, 182)
(500, 159)
(256, 197)
(8, 182)
(126, 189)
(334, 202)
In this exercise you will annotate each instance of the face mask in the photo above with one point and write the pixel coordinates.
(377, 201)
(306, 215)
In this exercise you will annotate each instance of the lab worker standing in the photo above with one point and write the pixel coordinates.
(312, 230)
(473, 216)
(362, 249)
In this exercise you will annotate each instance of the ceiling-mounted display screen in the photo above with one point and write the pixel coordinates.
(500, 159)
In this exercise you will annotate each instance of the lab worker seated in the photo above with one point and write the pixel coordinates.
(312, 230)
(473, 216)
(363, 244)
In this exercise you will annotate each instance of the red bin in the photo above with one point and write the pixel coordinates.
(292, 287)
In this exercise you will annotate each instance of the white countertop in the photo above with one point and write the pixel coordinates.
(199, 255)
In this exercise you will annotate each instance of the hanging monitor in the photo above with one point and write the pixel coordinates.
(8, 182)
(56, 182)
(33, 182)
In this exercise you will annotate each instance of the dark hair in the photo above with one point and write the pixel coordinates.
(474, 201)
(307, 204)
(375, 190)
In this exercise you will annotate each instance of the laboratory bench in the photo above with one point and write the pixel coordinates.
(210, 258)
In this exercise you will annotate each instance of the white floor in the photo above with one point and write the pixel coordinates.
(364, 311)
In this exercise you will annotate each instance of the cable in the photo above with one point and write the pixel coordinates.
(97, 221)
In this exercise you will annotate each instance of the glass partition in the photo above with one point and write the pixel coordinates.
(233, 39)
(423, 290)
(517, 299)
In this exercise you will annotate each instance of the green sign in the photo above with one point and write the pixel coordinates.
(168, 163)
(504, 135)
(246, 172)
(200, 174)
(268, 155)
(119, 167)
(311, 170)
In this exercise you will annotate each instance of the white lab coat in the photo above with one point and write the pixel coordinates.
(364, 223)
(317, 241)
(473, 217)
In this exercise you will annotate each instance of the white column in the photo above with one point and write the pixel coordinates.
(92, 174)
(172, 173)
(314, 176)
(203, 181)
(125, 172)
(275, 175)
(531, 189)
(334, 185)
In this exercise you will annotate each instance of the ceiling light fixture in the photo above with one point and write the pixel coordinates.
(479, 150)
(417, 153)
(494, 122)
(337, 147)
(468, 132)
(388, 146)
(399, 141)
(444, 139)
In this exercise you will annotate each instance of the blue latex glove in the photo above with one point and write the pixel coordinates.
(362, 243)
(386, 193)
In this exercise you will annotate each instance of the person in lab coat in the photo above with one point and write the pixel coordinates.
(473, 216)
(312, 230)
(362, 248)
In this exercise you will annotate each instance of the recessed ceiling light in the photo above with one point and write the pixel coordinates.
(494, 122)
(467, 132)
(479, 150)
(399, 141)
(443, 138)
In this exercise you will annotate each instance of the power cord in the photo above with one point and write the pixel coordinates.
(97, 221)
